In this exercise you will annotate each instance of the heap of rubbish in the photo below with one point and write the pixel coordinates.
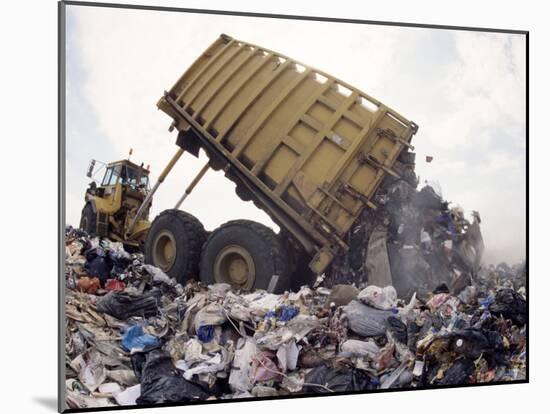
(409, 307)
(414, 240)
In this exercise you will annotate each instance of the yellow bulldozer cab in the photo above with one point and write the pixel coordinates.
(127, 173)
(115, 200)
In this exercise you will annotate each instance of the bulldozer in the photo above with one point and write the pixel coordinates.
(112, 203)
(305, 147)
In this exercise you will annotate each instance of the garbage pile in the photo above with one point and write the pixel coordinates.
(135, 336)
(414, 240)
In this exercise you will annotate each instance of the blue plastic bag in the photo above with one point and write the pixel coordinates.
(283, 314)
(487, 301)
(206, 333)
(288, 312)
(135, 340)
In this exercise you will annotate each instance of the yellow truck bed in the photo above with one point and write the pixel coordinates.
(311, 148)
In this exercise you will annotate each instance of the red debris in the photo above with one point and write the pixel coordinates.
(88, 284)
(115, 285)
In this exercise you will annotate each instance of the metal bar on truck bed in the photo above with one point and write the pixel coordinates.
(348, 114)
(357, 143)
(259, 93)
(291, 124)
(342, 205)
(238, 87)
(198, 91)
(319, 137)
(224, 81)
(243, 141)
(204, 69)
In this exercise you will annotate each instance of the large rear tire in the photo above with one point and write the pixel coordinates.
(174, 244)
(246, 255)
(88, 220)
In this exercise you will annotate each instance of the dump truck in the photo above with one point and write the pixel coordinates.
(308, 149)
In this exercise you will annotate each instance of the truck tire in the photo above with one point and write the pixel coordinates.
(246, 255)
(174, 244)
(88, 220)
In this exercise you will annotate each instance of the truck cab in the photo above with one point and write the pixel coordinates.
(111, 204)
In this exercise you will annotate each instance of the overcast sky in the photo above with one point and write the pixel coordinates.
(465, 90)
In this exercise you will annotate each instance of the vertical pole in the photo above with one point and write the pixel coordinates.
(193, 184)
(161, 178)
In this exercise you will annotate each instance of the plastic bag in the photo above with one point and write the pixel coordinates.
(472, 343)
(380, 298)
(99, 266)
(205, 333)
(366, 321)
(288, 312)
(263, 367)
(398, 329)
(510, 305)
(336, 380)
(128, 396)
(212, 365)
(212, 314)
(91, 371)
(459, 373)
(354, 347)
(240, 378)
(161, 382)
(287, 356)
(122, 305)
(135, 340)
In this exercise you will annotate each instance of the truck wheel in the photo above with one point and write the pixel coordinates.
(246, 255)
(174, 244)
(88, 220)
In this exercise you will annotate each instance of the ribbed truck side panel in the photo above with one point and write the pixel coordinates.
(314, 145)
